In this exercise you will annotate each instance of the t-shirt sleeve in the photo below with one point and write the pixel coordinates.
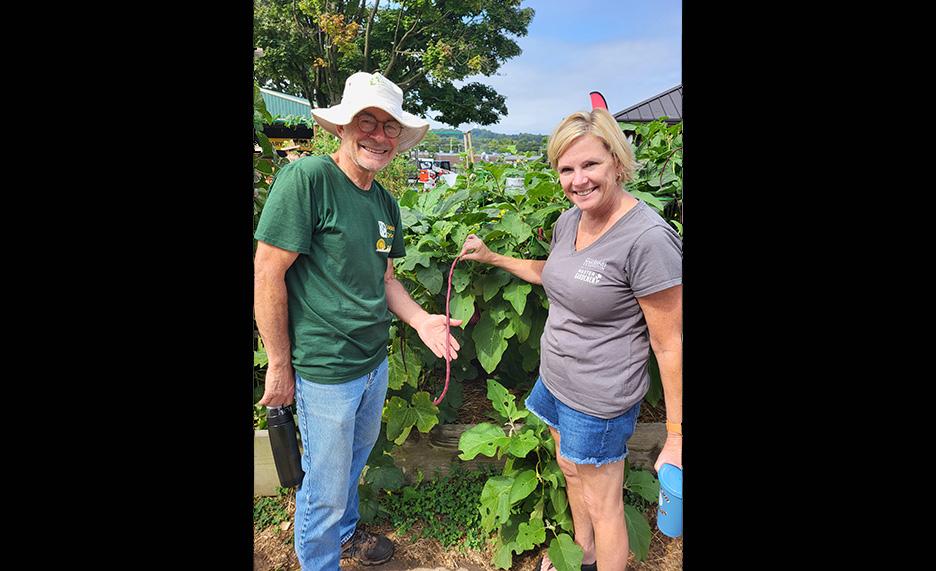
(655, 261)
(397, 247)
(288, 218)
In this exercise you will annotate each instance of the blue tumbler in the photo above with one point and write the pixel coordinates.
(669, 512)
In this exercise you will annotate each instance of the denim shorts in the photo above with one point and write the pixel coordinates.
(584, 439)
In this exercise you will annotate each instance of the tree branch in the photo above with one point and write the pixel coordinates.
(393, 51)
(408, 82)
(367, 35)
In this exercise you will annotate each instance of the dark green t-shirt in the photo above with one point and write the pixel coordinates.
(338, 317)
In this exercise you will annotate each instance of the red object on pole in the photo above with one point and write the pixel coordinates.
(598, 101)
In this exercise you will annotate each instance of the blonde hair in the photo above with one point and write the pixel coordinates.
(602, 125)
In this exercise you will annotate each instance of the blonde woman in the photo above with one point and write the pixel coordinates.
(614, 282)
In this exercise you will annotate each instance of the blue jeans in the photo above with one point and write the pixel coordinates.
(339, 425)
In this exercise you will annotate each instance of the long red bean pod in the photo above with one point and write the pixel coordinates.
(448, 344)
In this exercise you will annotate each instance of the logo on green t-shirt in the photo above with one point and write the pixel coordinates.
(386, 231)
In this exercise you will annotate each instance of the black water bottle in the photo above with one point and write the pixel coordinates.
(282, 430)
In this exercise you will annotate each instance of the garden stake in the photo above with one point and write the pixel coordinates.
(448, 325)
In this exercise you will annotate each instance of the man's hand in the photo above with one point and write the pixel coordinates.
(671, 453)
(432, 331)
(279, 386)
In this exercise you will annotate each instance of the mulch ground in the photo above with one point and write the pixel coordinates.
(273, 551)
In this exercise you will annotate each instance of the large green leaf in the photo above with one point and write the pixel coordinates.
(638, 532)
(538, 218)
(266, 145)
(451, 202)
(516, 293)
(400, 419)
(545, 189)
(513, 225)
(430, 278)
(495, 502)
(648, 198)
(530, 359)
(459, 234)
(522, 324)
(565, 554)
(414, 257)
(441, 228)
(521, 444)
(498, 312)
(489, 343)
(503, 554)
(643, 483)
(408, 199)
(553, 474)
(427, 414)
(504, 402)
(264, 165)
(538, 508)
(428, 201)
(559, 499)
(492, 283)
(408, 217)
(501, 399)
(367, 504)
(460, 278)
(480, 439)
(461, 306)
(384, 477)
(428, 243)
(523, 486)
(400, 374)
(529, 535)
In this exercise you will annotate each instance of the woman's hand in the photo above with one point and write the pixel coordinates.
(475, 249)
(671, 453)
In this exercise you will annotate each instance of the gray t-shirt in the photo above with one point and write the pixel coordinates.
(595, 347)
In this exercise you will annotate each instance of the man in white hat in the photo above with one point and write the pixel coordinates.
(324, 289)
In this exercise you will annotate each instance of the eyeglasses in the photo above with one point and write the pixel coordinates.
(367, 124)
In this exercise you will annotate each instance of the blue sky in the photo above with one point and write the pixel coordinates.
(628, 50)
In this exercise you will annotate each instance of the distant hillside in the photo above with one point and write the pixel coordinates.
(484, 141)
(485, 134)
(480, 134)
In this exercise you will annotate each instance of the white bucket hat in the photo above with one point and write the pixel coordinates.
(363, 90)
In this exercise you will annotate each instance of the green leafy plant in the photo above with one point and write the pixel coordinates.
(444, 508)
(529, 497)
(267, 161)
(658, 181)
(502, 316)
(268, 511)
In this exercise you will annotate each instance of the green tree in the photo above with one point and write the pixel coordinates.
(311, 46)
(431, 142)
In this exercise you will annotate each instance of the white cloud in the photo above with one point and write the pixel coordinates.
(551, 79)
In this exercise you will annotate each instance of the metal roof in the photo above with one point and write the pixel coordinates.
(668, 104)
(281, 104)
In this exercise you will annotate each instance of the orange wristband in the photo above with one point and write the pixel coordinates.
(674, 427)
